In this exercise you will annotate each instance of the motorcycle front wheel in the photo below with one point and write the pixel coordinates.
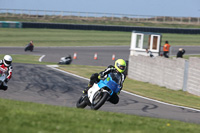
(99, 99)
(82, 103)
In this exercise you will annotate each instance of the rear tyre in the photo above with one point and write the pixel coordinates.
(2, 87)
(82, 103)
(99, 99)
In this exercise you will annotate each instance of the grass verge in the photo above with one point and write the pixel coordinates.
(57, 37)
(18, 117)
(30, 59)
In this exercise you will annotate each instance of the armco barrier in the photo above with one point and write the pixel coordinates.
(109, 28)
(174, 73)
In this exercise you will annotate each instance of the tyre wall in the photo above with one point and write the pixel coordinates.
(109, 28)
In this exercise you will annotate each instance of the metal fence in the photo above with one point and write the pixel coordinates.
(42, 14)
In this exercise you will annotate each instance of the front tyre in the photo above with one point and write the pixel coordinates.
(82, 103)
(99, 99)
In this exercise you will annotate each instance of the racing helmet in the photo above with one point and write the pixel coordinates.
(7, 60)
(120, 65)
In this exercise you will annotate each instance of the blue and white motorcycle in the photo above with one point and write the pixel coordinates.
(100, 92)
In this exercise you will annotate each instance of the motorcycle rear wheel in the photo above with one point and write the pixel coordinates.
(99, 99)
(81, 103)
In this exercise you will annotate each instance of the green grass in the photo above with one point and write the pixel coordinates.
(57, 37)
(30, 59)
(27, 117)
(188, 56)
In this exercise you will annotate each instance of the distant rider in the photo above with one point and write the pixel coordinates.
(180, 53)
(120, 67)
(30, 46)
(6, 65)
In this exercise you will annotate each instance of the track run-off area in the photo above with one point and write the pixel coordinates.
(49, 85)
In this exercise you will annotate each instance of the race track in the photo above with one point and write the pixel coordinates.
(85, 55)
(41, 84)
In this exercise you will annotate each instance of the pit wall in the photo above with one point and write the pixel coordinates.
(193, 84)
(176, 74)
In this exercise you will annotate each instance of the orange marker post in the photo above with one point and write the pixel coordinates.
(95, 56)
(75, 56)
(113, 57)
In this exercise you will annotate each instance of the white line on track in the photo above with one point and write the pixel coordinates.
(54, 67)
(40, 59)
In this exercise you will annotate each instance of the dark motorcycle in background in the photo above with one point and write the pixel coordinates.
(29, 47)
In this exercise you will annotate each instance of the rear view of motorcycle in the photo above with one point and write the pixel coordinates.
(100, 92)
(29, 47)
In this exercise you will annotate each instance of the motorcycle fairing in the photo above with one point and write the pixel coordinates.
(92, 91)
(2, 74)
(108, 82)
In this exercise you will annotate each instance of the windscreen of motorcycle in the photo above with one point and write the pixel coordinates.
(116, 77)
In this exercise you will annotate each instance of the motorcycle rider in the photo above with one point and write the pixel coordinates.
(30, 46)
(6, 65)
(119, 67)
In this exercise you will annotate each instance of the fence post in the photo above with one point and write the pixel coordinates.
(112, 17)
(6, 12)
(13, 13)
(189, 19)
(61, 14)
(21, 13)
(170, 51)
(44, 14)
(185, 78)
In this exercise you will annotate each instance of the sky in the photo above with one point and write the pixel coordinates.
(180, 8)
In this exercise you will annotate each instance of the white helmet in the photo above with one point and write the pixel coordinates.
(7, 60)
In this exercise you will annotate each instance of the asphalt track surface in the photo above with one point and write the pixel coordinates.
(42, 84)
(85, 55)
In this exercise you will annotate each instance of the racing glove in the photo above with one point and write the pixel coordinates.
(101, 76)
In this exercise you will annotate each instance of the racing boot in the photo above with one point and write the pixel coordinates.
(86, 89)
